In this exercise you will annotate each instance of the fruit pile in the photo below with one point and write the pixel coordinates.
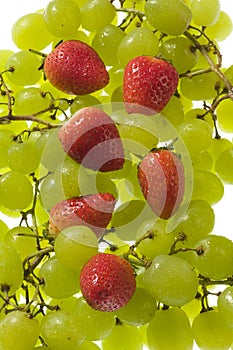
(112, 158)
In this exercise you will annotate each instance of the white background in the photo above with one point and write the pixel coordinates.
(11, 10)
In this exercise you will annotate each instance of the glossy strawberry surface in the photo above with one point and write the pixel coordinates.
(107, 282)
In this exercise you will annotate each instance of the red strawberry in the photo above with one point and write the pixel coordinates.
(94, 211)
(161, 177)
(75, 68)
(107, 282)
(91, 138)
(148, 82)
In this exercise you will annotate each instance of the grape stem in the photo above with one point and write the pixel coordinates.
(214, 67)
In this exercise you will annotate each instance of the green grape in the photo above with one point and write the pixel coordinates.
(106, 42)
(224, 112)
(22, 239)
(59, 281)
(25, 68)
(207, 186)
(78, 35)
(83, 101)
(137, 132)
(174, 16)
(128, 216)
(140, 41)
(6, 139)
(75, 245)
(16, 191)
(60, 330)
(200, 87)
(224, 165)
(3, 230)
(200, 8)
(197, 222)
(171, 280)
(196, 134)
(202, 160)
(139, 310)
(180, 52)
(117, 95)
(50, 192)
(30, 32)
(4, 56)
(30, 100)
(16, 128)
(96, 14)
(225, 305)
(221, 29)
(62, 18)
(217, 146)
(90, 318)
(170, 329)
(11, 273)
(66, 177)
(50, 150)
(214, 257)
(23, 158)
(159, 241)
(116, 74)
(211, 332)
(174, 111)
(123, 337)
(18, 331)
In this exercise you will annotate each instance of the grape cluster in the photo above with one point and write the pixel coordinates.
(183, 272)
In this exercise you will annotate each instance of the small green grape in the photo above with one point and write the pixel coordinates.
(16, 191)
(22, 239)
(59, 281)
(200, 87)
(75, 245)
(96, 14)
(30, 32)
(30, 100)
(11, 273)
(90, 318)
(215, 257)
(4, 56)
(200, 8)
(123, 337)
(18, 331)
(24, 66)
(196, 134)
(203, 160)
(170, 329)
(62, 18)
(224, 165)
(207, 186)
(211, 331)
(217, 146)
(51, 192)
(23, 157)
(83, 101)
(174, 111)
(139, 310)
(221, 29)
(174, 15)
(60, 330)
(106, 42)
(171, 280)
(181, 52)
(225, 305)
(140, 41)
(224, 112)
(197, 222)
